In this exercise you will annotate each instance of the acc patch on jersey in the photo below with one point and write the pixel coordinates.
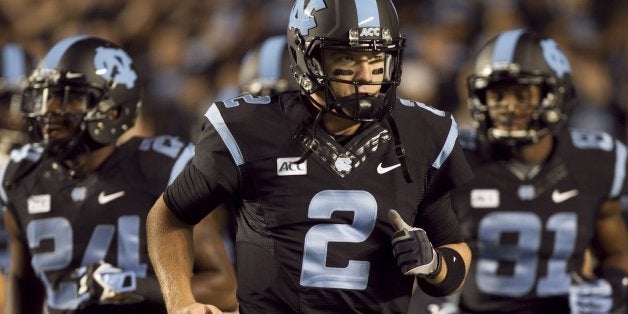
(289, 167)
(38, 204)
(484, 198)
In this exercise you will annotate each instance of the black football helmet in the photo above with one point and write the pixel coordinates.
(368, 26)
(265, 69)
(89, 68)
(522, 57)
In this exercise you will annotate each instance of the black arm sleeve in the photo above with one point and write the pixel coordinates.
(190, 197)
(440, 222)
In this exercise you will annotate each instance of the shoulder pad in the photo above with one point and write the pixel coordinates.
(21, 161)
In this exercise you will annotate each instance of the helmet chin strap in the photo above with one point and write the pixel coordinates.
(359, 107)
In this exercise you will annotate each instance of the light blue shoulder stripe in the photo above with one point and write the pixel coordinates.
(620, 169)
(182, 161)
(448, 147)
(215, 118)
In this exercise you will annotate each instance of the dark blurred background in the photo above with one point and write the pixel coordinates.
(190, 50)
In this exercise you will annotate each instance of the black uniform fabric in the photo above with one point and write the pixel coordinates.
(527, 235)
(315, 237)
(69, 222)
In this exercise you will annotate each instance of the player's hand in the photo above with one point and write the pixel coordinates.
(105, 284)
(590, 296)
(198, 308)
(413, 250)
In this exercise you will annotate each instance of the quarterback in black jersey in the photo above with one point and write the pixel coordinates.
(324, 179)
(543, 194)
(77, 197)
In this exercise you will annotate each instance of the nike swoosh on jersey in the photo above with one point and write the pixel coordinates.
(104, 198)
(559, 197)
(381, 169)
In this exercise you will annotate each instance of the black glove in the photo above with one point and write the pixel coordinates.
(105, 284)
(413, 250)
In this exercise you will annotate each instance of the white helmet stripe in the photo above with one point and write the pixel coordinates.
(368, 14)
(270, 57)
(505, 45)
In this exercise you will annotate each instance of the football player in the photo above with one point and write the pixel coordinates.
(342, 188)
(266, 69)
(77, 197)
(543, 194)
(15, 65)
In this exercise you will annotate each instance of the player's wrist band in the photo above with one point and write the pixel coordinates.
(439, 266)
(618, 279)
(456, 272)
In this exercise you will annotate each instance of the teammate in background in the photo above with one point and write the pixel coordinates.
(266, 69)
(76, 198)
(543, 193)
(316, 174)
(15, 65)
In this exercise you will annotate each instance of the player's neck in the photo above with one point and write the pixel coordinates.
(536, 153)
(88, 163)
(334, 125)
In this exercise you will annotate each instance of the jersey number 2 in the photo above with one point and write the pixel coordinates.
(314, 271)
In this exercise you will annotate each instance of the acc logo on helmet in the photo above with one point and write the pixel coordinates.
(370, 32)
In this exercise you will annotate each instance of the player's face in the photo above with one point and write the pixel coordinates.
(62, 111)
(363, 67)
(511, 106)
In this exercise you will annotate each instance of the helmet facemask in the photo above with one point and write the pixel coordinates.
(545, 118)
(521, 57)
(357, 106)
(55, 108)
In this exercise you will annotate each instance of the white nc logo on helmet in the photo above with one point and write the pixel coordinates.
(555, 58)
(114, 63)
(301, 16)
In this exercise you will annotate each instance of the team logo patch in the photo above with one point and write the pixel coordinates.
(288, 167)
(484, 198)
(78, 194)
(115, 64)
(526, 192)
(343, 164)
(38, 204)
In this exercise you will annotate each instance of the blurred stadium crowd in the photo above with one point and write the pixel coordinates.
(191, 50)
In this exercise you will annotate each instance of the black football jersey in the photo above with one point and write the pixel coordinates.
(69, 222)
(528, 235)
(314, 237)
